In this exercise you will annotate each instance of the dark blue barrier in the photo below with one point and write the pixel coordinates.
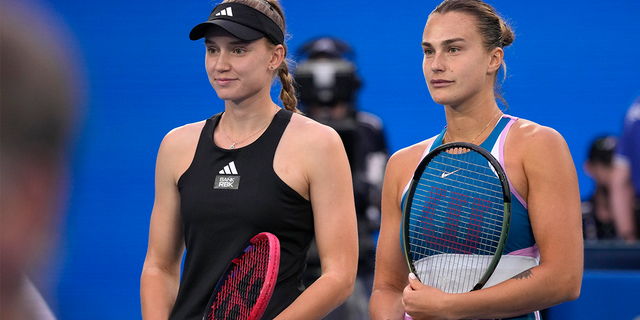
(610, 286)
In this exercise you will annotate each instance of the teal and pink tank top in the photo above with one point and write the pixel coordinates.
(521, 246)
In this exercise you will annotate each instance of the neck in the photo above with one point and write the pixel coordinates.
(248, 113)
(240, 127)
(472, 125)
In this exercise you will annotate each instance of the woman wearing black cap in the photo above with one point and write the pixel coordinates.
(254, 167)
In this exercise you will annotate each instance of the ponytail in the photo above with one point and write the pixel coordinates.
(288, 93)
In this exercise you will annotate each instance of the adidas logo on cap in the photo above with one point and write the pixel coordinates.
(225, 12)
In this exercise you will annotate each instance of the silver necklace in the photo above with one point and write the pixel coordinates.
(233, 144)
(446, 133)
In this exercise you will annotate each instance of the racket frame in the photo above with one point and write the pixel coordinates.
(269, 282)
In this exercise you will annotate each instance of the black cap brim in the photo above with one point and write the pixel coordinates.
(239, 31)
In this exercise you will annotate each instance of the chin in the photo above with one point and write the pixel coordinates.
(446, 99)
(439, 99)
(225, 94)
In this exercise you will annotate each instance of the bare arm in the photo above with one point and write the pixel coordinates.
(160, 277)
(545, 175)
(391, 267)
(331, 193)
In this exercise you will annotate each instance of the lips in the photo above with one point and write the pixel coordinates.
(224, 81)
(439, 83)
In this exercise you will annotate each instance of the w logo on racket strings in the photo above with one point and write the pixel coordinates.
(228, 178)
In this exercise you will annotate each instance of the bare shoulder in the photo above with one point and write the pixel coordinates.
(533, 149)
(527, 134)
(183, 137)
(178, 149)
(307, 130)
(401, 166)
(408, 158)
(309, 152)
(308, 140)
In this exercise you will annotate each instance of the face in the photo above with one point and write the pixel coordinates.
(32, 191)
(457, 67)
(600, 172)
(239, 70)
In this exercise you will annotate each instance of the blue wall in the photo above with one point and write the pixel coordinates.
(573, 66)
(606, 294)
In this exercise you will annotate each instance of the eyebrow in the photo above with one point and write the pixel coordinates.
(445, 42)
(234, 42)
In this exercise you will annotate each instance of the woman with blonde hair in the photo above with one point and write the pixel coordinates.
(289, 176)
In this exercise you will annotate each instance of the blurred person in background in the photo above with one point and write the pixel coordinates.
(625, 183)
(597, 216)
(328, 84)
(37, 111)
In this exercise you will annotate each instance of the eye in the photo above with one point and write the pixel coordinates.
(428, 51)
(239, 50)
(454, 50)
(212, 50)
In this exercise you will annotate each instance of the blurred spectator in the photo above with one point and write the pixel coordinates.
(36, 115)
(625, 187)
(597, 216)
(328, 83)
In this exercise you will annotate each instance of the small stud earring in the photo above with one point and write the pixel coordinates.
(271, 67)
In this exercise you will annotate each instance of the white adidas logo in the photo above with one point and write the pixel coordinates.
(230, 168)
(228, 178)
(225, 12)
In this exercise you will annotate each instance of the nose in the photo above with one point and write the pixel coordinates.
(222, 62)
(437, 63)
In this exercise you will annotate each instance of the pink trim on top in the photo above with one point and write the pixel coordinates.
(532, 252)
(428, 149)
(501, 141)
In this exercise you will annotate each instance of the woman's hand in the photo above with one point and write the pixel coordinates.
(423, 302)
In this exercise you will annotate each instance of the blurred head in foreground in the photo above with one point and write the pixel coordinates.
(38, 109)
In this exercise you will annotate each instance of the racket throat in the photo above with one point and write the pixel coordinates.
(478, 286)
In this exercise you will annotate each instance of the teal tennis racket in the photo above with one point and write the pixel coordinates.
(456, 217)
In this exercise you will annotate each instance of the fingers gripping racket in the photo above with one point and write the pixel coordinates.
(456, 217)
(244, 290)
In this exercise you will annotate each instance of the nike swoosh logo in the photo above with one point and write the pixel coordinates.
(446, 174)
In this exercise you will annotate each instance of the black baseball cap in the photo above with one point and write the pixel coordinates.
(242, 21)
(326, 46)
(602, 149)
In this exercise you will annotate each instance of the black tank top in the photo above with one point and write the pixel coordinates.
(227, 197)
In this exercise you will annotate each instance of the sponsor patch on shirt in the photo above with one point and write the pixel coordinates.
(227, 182)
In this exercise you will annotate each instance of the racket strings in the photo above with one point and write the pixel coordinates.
(464, 174)
(456, 219)
(452, 225)
(242, 288)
